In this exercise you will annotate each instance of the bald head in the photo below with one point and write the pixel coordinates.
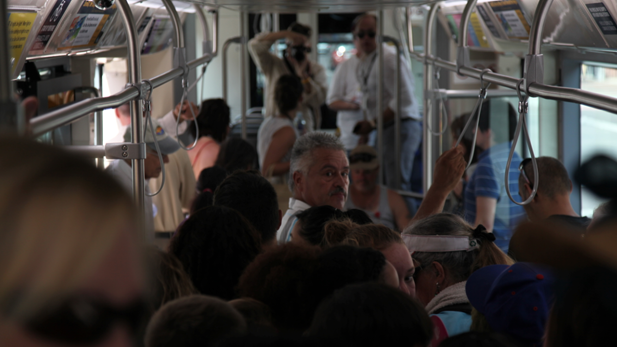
(554, 179)
(123, 113)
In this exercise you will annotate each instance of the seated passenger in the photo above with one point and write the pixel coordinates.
(69, 238)
(278, 278)
(372, 314)
(121, 169)
(384, 206)
(195, 320)
(378, 237)
(209, 180)
(515, 300)
(486, 201)
(253, 196)
(277, 134)
(215, 245)
(446, 251)
(552, 200)
(237, 154)
(168, 280)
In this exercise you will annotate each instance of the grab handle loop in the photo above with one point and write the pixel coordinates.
(522, 125)
(185, 87)
(148, 109)
(442, 104)
(477, 110)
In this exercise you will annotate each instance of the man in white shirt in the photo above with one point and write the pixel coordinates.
(121, 169)
(295, 62)
(345, 97)
(365, 31)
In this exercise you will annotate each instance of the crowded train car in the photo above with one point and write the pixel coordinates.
(304, 173)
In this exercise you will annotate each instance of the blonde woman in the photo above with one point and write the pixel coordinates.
(69, 261)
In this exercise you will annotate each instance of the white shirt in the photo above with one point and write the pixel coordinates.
(289, 220)
(268, 128)
(123, 173)
(345, 87)
(370, 63)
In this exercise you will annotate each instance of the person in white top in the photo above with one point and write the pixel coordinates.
(295, 62)
(345, 97)
(365, 31)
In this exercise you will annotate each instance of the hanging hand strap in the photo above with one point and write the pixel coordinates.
(148, 109)
(442, 105)
(522, 125)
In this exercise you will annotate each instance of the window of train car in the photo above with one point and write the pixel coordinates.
(598, 128)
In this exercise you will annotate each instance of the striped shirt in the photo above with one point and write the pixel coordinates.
(489, 181)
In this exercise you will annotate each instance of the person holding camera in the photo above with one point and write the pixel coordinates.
(296, 62)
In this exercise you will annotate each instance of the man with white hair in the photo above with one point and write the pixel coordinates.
(319, 175)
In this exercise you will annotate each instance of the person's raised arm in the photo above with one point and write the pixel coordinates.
(399, 209)
(485, 212)
(449, 169)
(282, 142)
(259, 48)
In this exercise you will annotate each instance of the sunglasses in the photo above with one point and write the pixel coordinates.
(370, 34)
(84, 320)
(521, 168)
(361, 157)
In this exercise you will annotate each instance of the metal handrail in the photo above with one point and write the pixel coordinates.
(397, 116)
(236, 39)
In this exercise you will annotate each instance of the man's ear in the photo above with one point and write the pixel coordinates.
(118, 113)
(298, 178)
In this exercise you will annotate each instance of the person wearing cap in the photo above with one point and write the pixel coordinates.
(552, 200)
(295, 61)
(383, 205)
(515, 299)
(121, 169)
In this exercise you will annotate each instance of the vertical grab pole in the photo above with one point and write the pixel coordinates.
(98, 119)
(244, 61)
(462, 53)
(379, 111)
(534, 61)
(397, 116)
(427, 153)
(11, 117)
(178, 37)
(215, 32)
(226, 45)
(134, 74)
(276, 27)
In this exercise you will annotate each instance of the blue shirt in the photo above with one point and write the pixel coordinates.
(489, 181)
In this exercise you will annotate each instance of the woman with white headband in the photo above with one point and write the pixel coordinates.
(446, 250)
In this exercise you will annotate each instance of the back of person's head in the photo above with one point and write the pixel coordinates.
(480, 251)
(60, 218)
(254, 197)
(212, 120)
(195, 320)
(287, 93)
(215, 245)
(278, 278)
(255, 313)
(374, 236)
(209, 179)
(168, 281)
(372, 314)
(312, 222)
(358, 216)
(585, 309)
(302, 151)
(603, 215)
(300, 29)
(485, 117)
(237, 154)
(479, 339)
(554, 179)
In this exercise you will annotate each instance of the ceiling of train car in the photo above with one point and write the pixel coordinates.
(293, 6)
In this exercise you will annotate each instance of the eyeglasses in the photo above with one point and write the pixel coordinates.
(363, 157)
(84, 320)
(521, 168)
(361, 34)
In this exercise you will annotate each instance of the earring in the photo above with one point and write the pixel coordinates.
(438, 290)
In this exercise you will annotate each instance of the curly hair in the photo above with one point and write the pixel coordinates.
(215, 245)
(287, 93)
(374, 236)
(212, 120)
(169, 281)
(278, 278)
(313, 221)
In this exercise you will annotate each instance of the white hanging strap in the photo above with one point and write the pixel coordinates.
(184, 97)
(477, 110)
(522, 125)
(148, 109)
(442, 107)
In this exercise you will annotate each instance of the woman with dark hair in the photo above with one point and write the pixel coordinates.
(213, 125)
(277, 134)
(215, 245)
(310, 225)
(209, 180)
(237, 154)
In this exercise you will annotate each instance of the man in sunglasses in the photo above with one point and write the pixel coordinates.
(295, 61)
(365, 33)
(552, 200)
(383, 205)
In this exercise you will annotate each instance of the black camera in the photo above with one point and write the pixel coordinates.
(298, 52)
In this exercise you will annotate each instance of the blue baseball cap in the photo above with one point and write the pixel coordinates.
(515, 299)
(166, 143)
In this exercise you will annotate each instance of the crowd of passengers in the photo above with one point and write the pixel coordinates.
(295, 243)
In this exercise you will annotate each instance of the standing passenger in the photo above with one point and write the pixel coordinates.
(295, 62)
(365, 30)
